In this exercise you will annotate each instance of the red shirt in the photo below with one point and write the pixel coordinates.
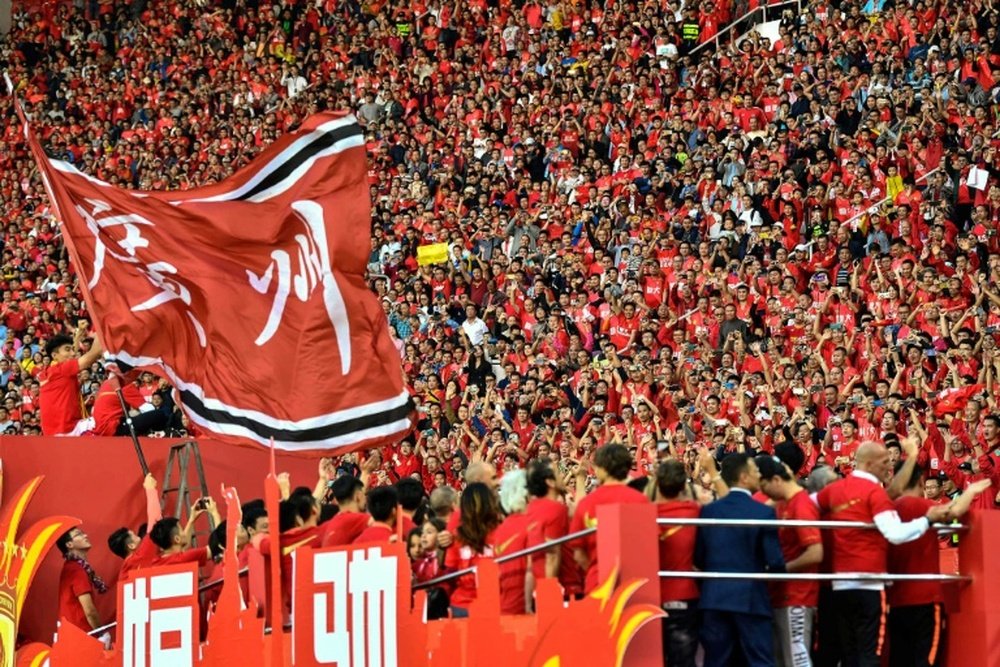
(377, 532)
(198, 555)
(144, 556)
(586, 517)
(108, 409)
(74, 582)
(677, 549)
(856, 498)
(344, 528)
(60, 397)
(794, 542)
(459, 557)
(550, 521)
(510, 536)
(921, 556)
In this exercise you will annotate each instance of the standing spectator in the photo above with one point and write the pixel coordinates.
(548, 518)
(351, 520)
(174, 542)
(859, 607)
(794, 602)
(512, 535)
(474, 540)
(612, 464)
(127, 545)
(473, 327)
(916, 608)
(61, 405)
(737, 612)
(382, 502)
(78, 583)
(675, 499)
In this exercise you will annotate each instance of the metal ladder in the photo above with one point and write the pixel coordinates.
(181, 455)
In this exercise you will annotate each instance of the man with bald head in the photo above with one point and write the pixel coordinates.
(483, 473)
(859, 606)
(478, 472)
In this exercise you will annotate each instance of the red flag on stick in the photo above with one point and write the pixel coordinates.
(249, 295)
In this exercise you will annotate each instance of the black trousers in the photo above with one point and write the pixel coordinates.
(145, 423)
(680, 634)
(860, 626)
(915, 634)
(828, 637)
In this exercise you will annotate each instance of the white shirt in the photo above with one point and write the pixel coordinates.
(476, 330)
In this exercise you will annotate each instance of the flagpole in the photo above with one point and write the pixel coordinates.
(131, 430)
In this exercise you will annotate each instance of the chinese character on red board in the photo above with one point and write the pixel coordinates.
(349, 601)
(158, 616)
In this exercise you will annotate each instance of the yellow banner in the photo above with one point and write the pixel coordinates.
(435, 253)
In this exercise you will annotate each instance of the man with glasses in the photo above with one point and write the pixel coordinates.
(79, 585)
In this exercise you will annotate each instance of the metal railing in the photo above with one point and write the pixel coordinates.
(793, 523)
(874, 577)
(544, 546)
(747, 20)
(812, 576)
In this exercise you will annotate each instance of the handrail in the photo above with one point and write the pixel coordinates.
(201, 589)
(732, 24)
(813, 576)
(792, 523)
(508, 557)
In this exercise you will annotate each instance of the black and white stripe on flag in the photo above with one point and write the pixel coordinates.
(259, 316)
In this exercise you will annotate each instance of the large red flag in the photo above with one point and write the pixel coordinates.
(249, 295)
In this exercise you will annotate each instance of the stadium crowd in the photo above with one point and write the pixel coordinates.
(695, 253)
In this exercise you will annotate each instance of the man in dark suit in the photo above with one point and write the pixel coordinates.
(737, 610)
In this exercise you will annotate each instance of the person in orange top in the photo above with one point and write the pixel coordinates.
(474, 540)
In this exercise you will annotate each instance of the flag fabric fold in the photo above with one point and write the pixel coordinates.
(248, 295)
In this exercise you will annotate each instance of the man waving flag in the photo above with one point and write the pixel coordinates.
(249, 295)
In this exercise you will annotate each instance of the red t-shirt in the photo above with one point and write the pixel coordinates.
(677, 549)
(344, 528)
(460, 557)
(510, 536)
(921, 556)
(60, 397)
(586, 517)
(856, 498)
(550, 520)
(198, 555)
(108, 409)
(74, 582)
(377, 532)
(144, 556)
(794, 542)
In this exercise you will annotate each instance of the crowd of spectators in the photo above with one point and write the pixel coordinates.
(725, 249)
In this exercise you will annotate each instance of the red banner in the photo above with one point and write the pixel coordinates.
(249, 295)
